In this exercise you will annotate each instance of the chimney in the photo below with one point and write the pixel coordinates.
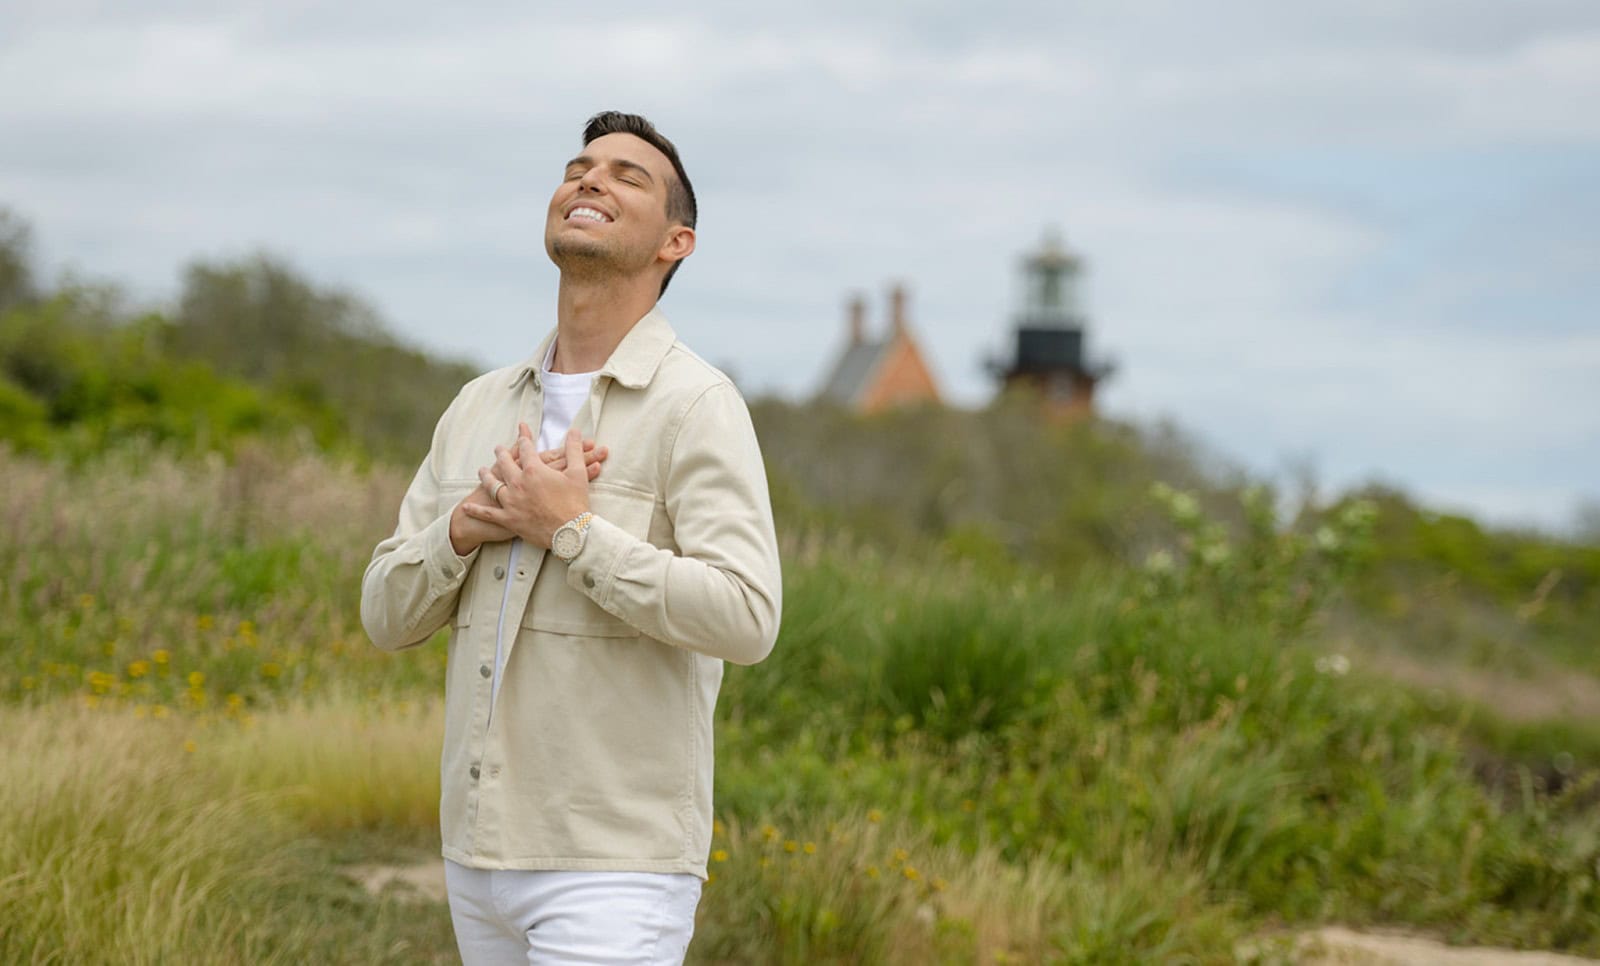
(897, 311)
(856, 316)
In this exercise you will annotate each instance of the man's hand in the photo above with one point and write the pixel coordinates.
(536, 498)
(467, 532)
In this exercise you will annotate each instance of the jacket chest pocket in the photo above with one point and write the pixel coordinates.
(555, 606)
(452, 492)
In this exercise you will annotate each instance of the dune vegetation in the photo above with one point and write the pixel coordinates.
(1042, 693)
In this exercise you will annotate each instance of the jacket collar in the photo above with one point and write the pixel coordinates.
(634, 361)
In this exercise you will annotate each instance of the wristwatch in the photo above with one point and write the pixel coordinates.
(567, 541)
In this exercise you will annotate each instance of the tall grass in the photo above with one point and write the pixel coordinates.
(340, 764)
(120, 846)
(1139, 764)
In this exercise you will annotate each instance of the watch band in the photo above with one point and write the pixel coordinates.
(567, 542)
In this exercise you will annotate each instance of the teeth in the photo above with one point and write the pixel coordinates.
(588, 213)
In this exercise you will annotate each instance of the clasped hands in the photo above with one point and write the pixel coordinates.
(540, 492)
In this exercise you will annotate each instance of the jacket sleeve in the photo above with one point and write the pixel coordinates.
(414, 579)
(721, 593)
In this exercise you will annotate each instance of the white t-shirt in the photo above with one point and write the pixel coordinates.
(564, 395)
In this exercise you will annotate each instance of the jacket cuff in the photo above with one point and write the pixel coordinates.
(443, 562)
(594, 569)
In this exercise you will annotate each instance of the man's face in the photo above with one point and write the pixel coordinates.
(609, 214)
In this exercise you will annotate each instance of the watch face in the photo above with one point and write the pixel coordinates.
(566, 542)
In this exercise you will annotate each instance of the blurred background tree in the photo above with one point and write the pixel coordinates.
(16, 261)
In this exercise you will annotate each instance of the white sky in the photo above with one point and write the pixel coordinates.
(1360, 235)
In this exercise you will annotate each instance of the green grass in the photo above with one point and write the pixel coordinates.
(1130, 765)
(119, 847)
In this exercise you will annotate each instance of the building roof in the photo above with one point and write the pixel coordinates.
(853, 372)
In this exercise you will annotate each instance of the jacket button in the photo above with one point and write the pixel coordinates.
(588, 581)
(484, 670)
(499, 572)
(473, 771)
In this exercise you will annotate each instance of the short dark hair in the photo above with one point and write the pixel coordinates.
(681, 206)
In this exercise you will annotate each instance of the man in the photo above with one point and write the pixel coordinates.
(594, 525)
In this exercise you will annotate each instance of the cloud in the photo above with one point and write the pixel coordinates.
(1358, 229)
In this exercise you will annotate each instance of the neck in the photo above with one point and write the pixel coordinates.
(593, 316)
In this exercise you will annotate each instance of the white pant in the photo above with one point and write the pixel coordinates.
(514, 917)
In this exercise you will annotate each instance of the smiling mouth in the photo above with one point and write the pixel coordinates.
(588, 214)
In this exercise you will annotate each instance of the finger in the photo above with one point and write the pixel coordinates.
(596, 455)
(487, 514)
(557, 458)
(524, 431)
(505, 467)
(593, 469)
(575, 464)
(488, 479)
(527, 455)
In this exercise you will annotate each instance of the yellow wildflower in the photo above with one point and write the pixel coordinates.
(910, 872)
(717, 828)
(720, 855)
(161, 656)
(160, 711)
(138, 669)
(791, 845)
(271, 670)
(900, 855)
(197, 679)
(203, 622)
(874, 815)
(872, 872)
(189, 745)
(810, 848)
(768, 833)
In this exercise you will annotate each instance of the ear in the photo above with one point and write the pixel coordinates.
(678, 245)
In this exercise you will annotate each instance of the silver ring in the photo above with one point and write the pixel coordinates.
(494, 494)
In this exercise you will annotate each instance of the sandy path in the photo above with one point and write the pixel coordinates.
(1337, 945)
(1328, 946)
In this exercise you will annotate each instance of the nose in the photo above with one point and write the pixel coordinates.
(590, 180)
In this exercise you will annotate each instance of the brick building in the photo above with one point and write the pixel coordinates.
(875, 374)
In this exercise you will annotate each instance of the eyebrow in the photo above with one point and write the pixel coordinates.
(588, 161)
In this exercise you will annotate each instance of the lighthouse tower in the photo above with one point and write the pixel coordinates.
(1049, 360)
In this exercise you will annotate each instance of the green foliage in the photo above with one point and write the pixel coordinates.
(256, 319)
(1165, 763)
(253, 350)
(999, 487)
(1043, 693)
(80, 385)
(16, 262)
(1536, 572)
(1267, 577)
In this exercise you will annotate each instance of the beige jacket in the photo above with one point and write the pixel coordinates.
(599, 752)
